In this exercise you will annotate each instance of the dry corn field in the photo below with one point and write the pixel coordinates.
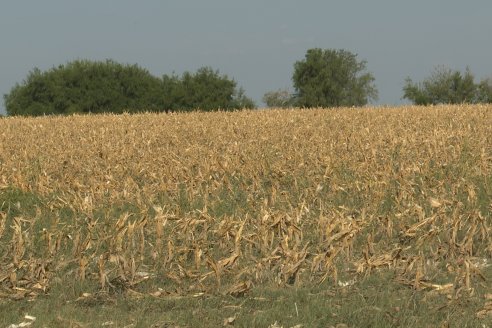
(218, 203)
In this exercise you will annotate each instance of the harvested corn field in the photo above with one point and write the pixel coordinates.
(221, 203)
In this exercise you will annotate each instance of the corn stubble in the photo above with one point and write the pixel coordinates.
(221, 202)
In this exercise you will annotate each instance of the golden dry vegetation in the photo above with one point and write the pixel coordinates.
(221, 202)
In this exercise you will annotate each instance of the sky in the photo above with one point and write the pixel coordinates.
(255, 42)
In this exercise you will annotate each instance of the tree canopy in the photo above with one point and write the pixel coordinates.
(332, 78)
(280, 98)
(204, 90)
(84, 86)
(445, 86)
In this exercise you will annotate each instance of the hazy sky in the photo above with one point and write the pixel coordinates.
(255, 42)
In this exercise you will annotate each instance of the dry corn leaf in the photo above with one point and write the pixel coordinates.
(486, 311)
(435, 202)
(229, 321)
(240, 288)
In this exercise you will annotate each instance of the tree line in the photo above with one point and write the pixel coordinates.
(324, 78)
(84, 86)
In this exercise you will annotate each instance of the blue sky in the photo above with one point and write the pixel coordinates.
(255, 42)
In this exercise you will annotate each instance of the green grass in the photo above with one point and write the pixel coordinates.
(375, 301)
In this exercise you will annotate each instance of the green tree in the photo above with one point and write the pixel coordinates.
(84, 86)
(204, 90)
(280, 98)
(445, 86)
(332, 78)
(484, 91)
